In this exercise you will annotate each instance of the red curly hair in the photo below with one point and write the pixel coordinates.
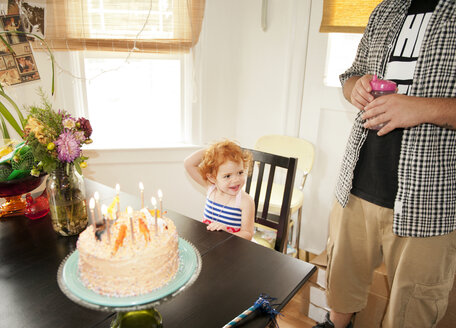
(220, 152)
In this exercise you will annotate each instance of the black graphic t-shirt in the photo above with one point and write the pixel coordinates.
(375, 176)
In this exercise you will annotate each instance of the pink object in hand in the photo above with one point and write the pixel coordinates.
(381, 88)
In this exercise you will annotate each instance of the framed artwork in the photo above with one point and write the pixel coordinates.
(10, 77)
(2, 64)
(32, 15)
(17, 66)
(12, 23)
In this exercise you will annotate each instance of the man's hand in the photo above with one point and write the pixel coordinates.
(394, 111)
(357, 91)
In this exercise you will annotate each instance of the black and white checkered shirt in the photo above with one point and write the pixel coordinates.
(425, 203)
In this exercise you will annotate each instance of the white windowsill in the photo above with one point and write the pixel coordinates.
(169, 154)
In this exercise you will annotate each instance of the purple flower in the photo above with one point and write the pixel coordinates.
(67, 147)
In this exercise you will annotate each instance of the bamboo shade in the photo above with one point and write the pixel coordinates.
(346, 16)
(157, 26)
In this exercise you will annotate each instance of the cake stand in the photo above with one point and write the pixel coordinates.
(132, 311)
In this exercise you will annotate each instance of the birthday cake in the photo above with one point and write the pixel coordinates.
(128, 257)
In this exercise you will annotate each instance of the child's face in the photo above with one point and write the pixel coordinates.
(230, 177)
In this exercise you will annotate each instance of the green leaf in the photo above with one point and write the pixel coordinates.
(4, 129)
(78, 168)
(10, 119)
(19, 113)
(6, 43)
(50, 55)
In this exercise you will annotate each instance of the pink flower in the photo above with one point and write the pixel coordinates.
(80, 136)
(67, 147)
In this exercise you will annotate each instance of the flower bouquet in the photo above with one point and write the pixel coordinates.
(55, 139)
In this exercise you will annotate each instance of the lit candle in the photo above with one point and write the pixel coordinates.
(92, 213)
(96, 196)
(154, 204)
(160, 199)
(118, 199)
(141, 189)
(130, 215)
(104, 211)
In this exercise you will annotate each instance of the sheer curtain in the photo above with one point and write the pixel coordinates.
(153, 26)
(346, 16)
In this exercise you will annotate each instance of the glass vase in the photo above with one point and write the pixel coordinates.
(67, 204)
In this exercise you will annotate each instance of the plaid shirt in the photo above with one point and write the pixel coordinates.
(425, 203)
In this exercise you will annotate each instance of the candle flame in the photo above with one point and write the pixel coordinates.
(160, 194)
(154, 202)
(92, 203)
(141, 186)
(104, 209)
(96, 195)
(117, 188)
(129, 210)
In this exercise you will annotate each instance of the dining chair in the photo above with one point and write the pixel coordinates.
(271, 163)
(304, 151)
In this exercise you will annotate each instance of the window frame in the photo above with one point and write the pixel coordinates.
(80, 99)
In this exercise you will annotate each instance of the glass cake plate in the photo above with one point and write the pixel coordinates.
(71, 285)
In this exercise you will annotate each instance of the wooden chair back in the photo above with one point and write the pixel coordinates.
(261, 160)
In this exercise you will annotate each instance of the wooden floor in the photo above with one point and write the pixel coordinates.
(291, 318)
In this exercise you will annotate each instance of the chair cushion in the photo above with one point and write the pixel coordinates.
(264, 237)
(275, 202)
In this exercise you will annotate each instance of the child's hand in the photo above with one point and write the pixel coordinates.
(216, 226)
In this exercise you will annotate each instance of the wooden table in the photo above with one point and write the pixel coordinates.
(234, 273)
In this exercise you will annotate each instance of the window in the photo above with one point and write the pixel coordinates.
(136, 102)
(341, 53)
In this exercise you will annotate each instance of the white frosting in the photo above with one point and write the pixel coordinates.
(137, 266)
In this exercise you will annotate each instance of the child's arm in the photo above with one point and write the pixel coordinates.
(191, 166)
(248, 216)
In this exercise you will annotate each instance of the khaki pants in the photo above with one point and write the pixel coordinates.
(420, 270)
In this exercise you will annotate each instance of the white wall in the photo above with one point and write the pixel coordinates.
(249, 83)
(251, 76)
(326, 121)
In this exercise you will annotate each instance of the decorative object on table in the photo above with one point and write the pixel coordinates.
(55, 139)
(13, 190)
(16, 163)
(263, 304)
(36, 208)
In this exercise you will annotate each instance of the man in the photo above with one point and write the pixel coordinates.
(396, 193)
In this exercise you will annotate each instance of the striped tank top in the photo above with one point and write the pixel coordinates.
(229, 216)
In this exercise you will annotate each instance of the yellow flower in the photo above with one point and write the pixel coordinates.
(41, 134)
(33, 125)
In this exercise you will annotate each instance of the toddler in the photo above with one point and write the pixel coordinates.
(222, 170)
